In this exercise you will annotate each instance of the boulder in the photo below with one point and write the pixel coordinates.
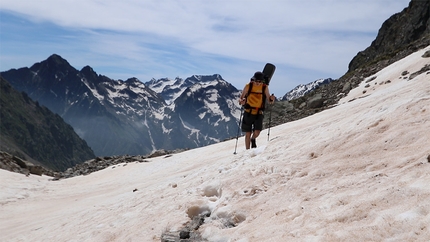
(316, 101)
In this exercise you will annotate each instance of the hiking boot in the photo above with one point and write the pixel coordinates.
(253, 144)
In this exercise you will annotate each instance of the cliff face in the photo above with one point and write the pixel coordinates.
(29, 130)
(406, 32)
(399, 36)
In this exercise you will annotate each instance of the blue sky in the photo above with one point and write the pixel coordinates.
(305, 39)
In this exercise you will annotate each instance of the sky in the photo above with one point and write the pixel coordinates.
(306, 39)
(356, 172)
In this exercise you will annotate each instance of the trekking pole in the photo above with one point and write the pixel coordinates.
(270, 120)
(238, 129)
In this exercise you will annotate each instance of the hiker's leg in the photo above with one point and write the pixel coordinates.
(255, 134)
(258, 126)
(247, 122)
(247, 140)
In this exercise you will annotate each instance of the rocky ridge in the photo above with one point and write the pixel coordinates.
(16, 164)
(399, 36)
(34, 133)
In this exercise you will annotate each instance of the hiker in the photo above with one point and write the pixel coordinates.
(253, 100)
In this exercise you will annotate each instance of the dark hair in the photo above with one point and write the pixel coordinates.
(258, 76)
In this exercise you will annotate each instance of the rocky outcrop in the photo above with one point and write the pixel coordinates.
(101, 163)
(16, 164)
(189, 232)
(407, 31)
(400, 35)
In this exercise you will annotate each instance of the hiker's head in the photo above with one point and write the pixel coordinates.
(258, 77)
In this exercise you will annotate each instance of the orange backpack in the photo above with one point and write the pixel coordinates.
(255, 99)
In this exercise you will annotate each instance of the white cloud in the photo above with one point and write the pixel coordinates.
(321, 36)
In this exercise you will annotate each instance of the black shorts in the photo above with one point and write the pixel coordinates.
(252, 122)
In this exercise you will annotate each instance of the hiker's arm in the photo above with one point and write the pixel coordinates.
(242, 97)
(270, 98)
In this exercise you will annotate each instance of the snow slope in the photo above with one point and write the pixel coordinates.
(356, 172)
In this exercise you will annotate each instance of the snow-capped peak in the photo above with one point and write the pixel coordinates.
(302, 90)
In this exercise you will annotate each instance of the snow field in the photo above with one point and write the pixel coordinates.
(356, 172)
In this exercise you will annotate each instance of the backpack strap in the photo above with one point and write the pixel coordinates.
(263, 104)
(249, 89)
(247, 106)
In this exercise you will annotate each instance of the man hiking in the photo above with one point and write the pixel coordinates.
(253, 100)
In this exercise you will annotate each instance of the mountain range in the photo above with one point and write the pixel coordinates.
(130, 117)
